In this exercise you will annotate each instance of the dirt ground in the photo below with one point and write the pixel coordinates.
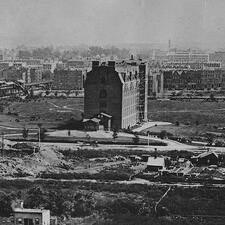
(51, 112)
(187, 111)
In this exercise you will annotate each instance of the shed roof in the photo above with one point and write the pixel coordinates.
(156, 161)
(106, 115)
(95, 120)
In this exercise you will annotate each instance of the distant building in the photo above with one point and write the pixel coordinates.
(160, 56)
(155, 164)
(211, 65)
(49, 66)
(8, 89)
(155, 83)
(181, 57)
(31, 216)
(91, 124)
(206, 159)
(68, 79)
(114, 89)
(35, 75)
(182, 79)
(211, 77)
(13, 73)
(218, 57)
(187, 57)
(198, 57)
(25, 216)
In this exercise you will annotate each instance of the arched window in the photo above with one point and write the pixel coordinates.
(103, 93)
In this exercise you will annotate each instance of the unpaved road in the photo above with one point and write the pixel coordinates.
(135, 181)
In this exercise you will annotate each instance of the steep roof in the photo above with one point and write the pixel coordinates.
(204, 154)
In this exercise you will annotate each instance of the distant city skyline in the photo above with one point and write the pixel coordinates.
(187, 23)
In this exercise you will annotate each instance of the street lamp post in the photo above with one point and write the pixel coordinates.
(39, 136)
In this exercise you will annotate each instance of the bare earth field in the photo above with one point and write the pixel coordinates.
(195, 117)
(187, 111)
(51, 112)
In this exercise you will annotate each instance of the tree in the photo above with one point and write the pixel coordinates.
(212, 97)
(25, 133)
(88, 137)
(35, 198)
(136, 139)
(210, 139)
(31, 93)
(162, 134)
(5, 205)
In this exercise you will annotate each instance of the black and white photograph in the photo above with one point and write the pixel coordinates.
(112, 112)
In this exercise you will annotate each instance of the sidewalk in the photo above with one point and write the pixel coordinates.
(150, 124)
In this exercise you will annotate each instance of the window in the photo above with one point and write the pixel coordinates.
(28, 221)
(37, 221)
(103, 93)
(19, 221)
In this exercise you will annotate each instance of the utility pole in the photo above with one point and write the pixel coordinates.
(163, 196)
(2, 144)
(39, 136)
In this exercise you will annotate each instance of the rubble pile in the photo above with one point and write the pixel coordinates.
(32, 164)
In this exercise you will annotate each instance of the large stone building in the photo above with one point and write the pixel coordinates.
(112, 91)
(218, 57)
(187, 57)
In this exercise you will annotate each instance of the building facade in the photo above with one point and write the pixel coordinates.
(24, 216)
(113, 89)
(155, 83)
(182, 79)
(68, 79)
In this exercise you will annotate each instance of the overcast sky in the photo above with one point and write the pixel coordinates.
(97, 22)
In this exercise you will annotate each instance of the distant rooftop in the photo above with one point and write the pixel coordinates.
(156, 161)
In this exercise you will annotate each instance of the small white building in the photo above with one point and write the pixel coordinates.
(155, 163)
(24, 216)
